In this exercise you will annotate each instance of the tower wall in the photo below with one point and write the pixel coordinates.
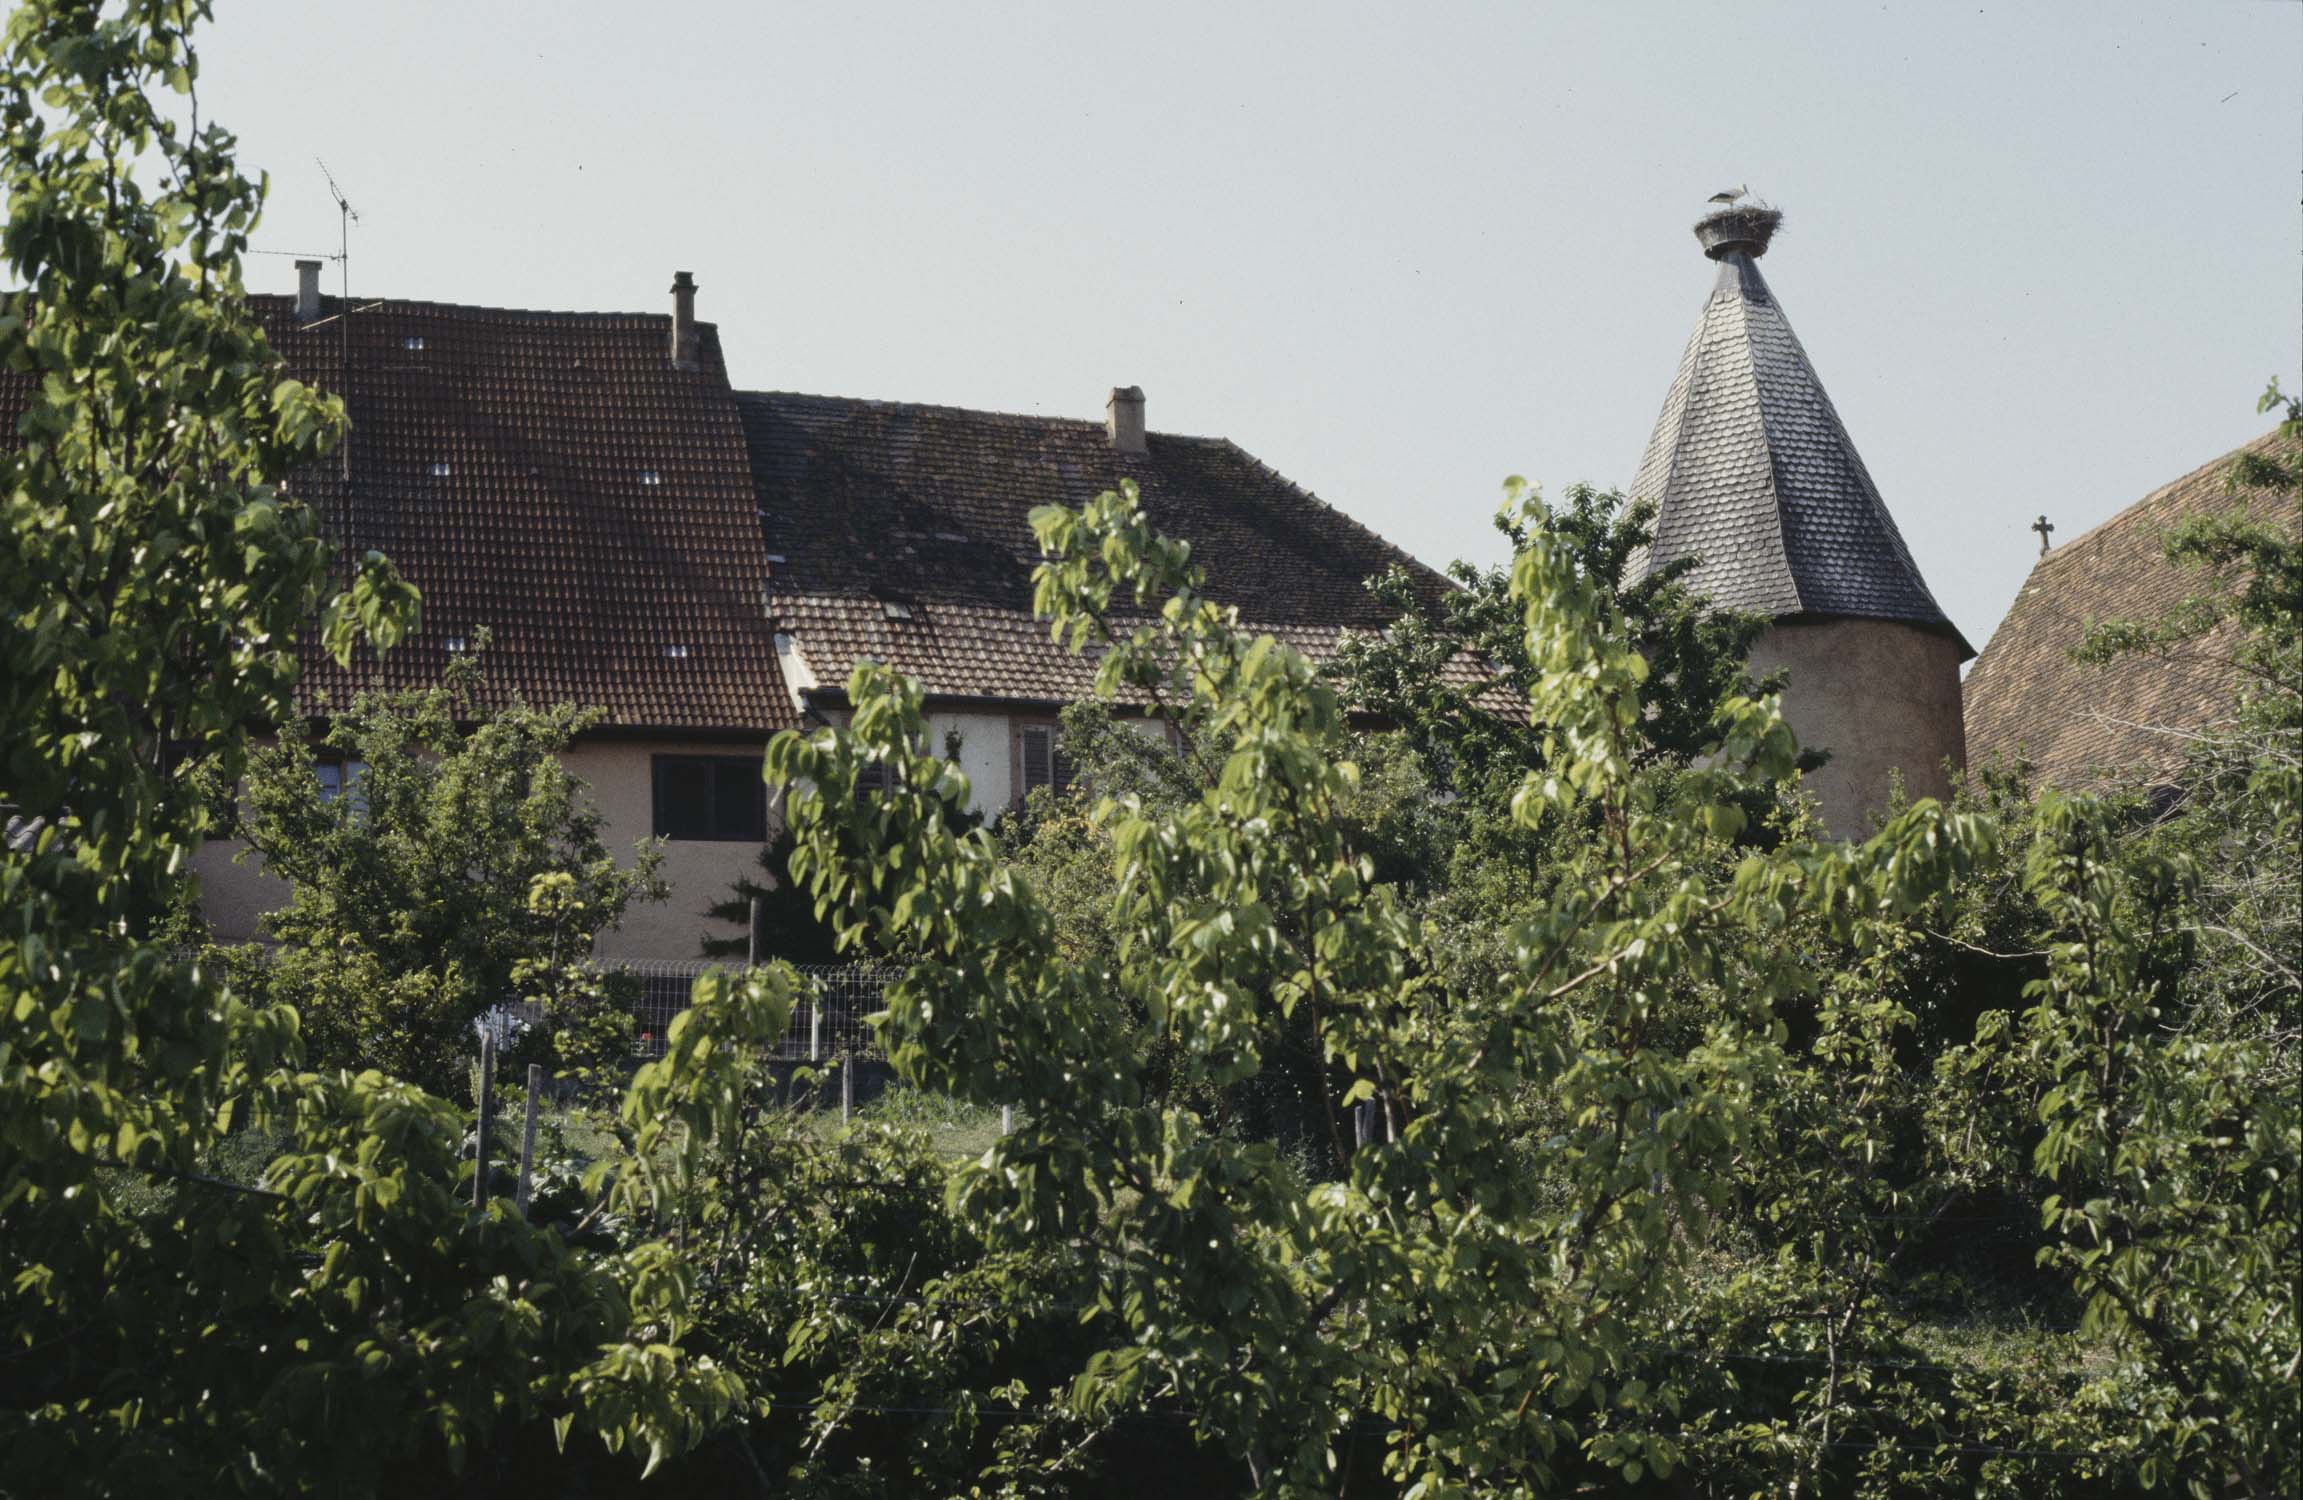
(1881, 696)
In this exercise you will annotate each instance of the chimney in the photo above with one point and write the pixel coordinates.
(1124, 419)
(307, 290)
(684, 341)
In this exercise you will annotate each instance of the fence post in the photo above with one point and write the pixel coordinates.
(752, 937)
(528, 1137)
(487, 1117)
(847, 1085)
(816, 1027)
(1007, 1119)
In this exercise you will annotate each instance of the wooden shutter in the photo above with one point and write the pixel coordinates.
(1038, 756)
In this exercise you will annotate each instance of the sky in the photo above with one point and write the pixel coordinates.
(2043, 256)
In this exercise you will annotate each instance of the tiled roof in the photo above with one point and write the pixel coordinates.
(900, 532)
(2025, 695)
(638, 537)
(1753, 473)
(553, 477)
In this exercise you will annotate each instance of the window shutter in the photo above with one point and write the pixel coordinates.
(1038, 756)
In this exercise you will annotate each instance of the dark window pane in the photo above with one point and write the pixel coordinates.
(739, 803)
(683, 797)
(710, 797)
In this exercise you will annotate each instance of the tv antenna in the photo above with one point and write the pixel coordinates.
(346, 217)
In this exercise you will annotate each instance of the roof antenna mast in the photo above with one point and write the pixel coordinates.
(346, 217)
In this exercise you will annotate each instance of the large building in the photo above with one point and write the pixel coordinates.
(707, 565)
(1754, 476)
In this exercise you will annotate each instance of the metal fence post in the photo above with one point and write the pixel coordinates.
(487, 1117)
(1007, 1119)
(528, 1138)
(847, 1085)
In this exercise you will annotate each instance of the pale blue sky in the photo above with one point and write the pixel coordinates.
(2044, 255)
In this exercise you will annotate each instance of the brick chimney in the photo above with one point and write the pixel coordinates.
(684, 341)
(307, 290)
(1124, 419)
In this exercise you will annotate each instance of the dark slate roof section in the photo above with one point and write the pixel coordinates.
(867, 504)
(1752, 471)
(2082, 724)
(552, 477)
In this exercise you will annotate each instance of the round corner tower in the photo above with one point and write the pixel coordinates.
(1753, 476)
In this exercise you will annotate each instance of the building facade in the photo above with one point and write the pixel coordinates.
(706, 566)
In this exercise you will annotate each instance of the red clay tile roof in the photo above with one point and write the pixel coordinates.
(553, 477)
(2077, 723)
(869, 504)
(635, 537)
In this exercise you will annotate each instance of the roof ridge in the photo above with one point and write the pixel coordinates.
(2266, 440)
(1302, 493)
(458, 309)
(1742, 265)
(1693, 359)
(881, 404)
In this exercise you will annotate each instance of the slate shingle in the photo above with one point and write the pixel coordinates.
(1753, 473)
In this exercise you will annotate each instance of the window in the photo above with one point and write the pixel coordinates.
(341, 778)
(710, 797)
(874, 779)
(1040, 760)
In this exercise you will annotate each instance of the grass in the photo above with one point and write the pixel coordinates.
(954, 1129)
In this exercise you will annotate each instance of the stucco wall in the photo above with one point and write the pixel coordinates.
(1880, 697)
(987, 752)
(235, 895)
(698, 871)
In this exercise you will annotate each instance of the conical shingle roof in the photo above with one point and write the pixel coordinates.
(1752, 472)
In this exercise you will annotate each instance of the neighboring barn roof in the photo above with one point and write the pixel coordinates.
(1752, 471)
(2026, 696)
(901, 533)
(555, 478)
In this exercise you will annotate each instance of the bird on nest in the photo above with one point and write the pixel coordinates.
(1731, 195)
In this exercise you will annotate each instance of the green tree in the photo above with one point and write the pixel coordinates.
(340, 1319)
(1470, 1289)
(460, 867)
(2231, 809)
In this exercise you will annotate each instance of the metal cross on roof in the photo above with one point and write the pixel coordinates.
(2043, 526)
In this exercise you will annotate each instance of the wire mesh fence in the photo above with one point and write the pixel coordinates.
(827, 1021)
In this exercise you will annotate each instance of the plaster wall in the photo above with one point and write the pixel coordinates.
(235, 895)
(697, 871)
(987, 753)
(1881, 697)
